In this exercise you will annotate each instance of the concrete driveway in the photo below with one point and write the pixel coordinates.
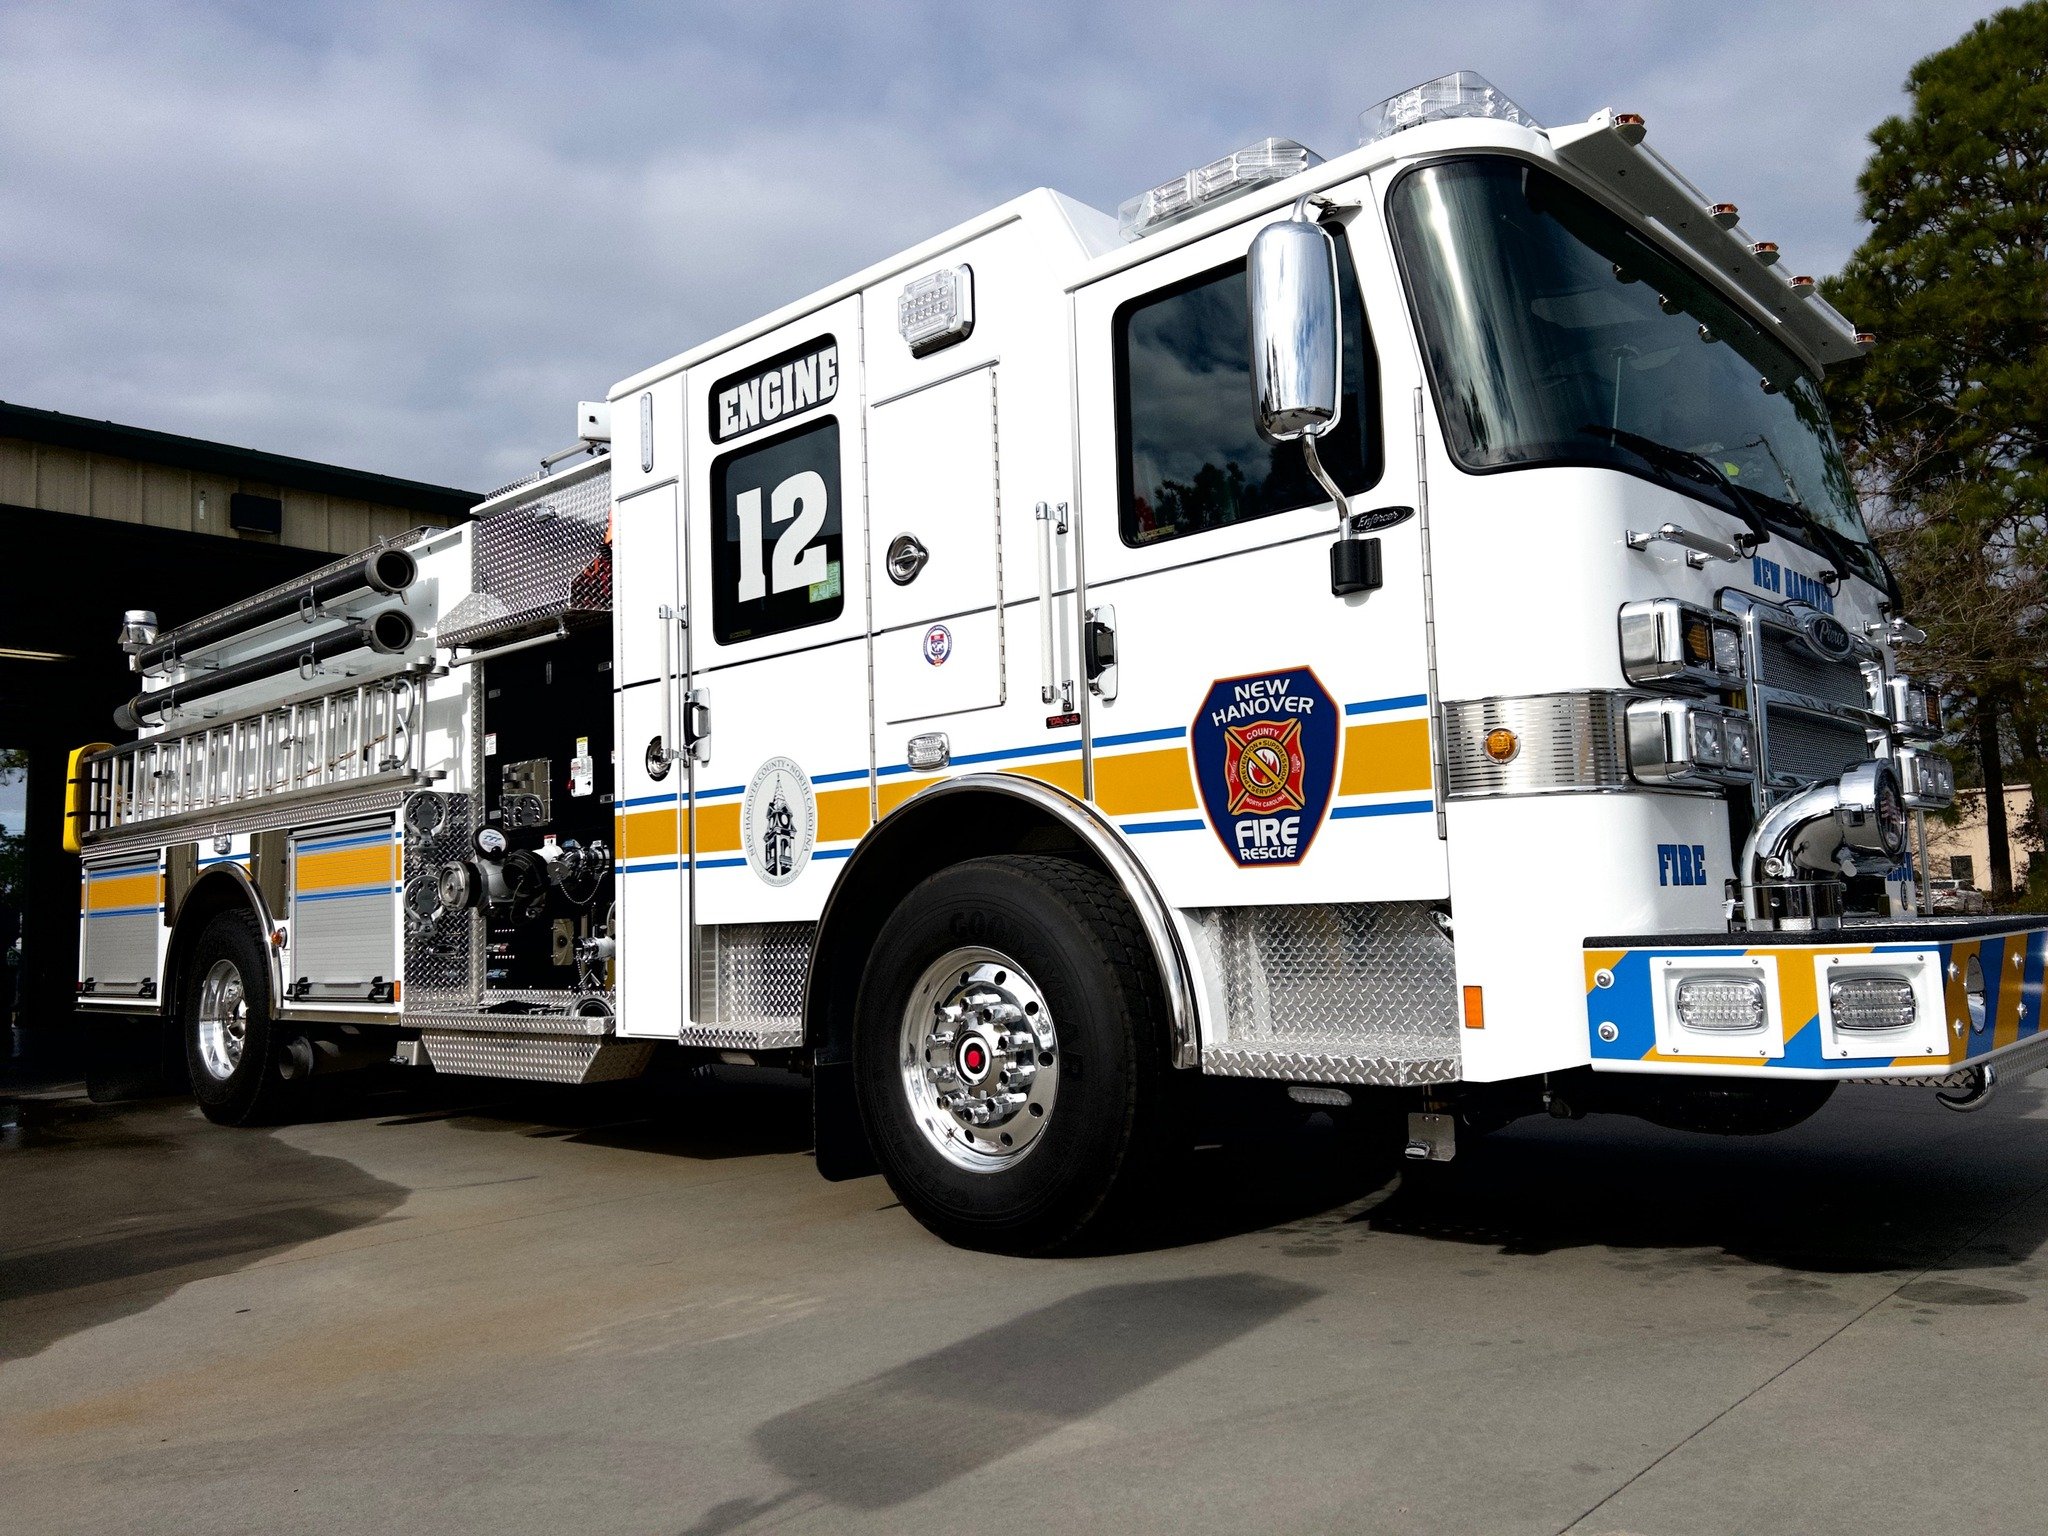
(484, 1307)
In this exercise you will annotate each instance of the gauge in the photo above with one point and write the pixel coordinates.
(490, 842)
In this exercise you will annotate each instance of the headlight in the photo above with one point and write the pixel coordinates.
(1670, 644)
(1916, 707)
(1677, 743)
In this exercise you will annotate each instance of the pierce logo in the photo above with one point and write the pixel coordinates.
(1265, 752)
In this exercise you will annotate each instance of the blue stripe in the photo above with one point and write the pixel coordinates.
(124, 911)
(713, 794)
(832, 853)
(1376, 706)
(123, 871)
(1135, 827)
(364, 841)
(1393, 808)
(353, 893)
(719, 863)
(834, 778)
(667, 799)
(647, 869)
(1130, 738)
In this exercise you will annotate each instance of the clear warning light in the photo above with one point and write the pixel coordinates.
(936, 310)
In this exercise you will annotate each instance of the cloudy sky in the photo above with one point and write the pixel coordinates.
(407, 235)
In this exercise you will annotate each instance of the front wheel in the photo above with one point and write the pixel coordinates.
(244, 1069)
(1010, 1055)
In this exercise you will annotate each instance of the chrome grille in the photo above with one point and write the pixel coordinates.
(1811, 747)
(1788, 665)
(1568, 741)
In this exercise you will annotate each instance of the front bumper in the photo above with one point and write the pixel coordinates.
(1633, 1025)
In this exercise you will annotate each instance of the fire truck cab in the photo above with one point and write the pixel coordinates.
(1396, 626)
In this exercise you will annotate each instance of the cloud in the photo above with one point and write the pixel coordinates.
(407, 237)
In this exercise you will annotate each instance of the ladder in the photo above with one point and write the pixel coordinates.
(358, 736)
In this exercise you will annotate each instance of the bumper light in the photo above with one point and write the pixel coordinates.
(1674, 743)
(1871, 1002)
(1927, 778)
(1721, 1005)
(1916, 708)
(1669, 644)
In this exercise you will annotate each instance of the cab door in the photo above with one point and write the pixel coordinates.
(776, 704)
(1262, 740)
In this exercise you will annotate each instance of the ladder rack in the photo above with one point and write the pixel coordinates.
(358, 736)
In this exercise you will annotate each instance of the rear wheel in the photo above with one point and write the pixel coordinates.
(245, 1070)
(1010, 1055)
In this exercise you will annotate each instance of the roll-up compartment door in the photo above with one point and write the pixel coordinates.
(123, 923)
(345, 912)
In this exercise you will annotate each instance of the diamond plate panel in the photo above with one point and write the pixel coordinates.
(750, 985)
(1352, 992)
(537, 1058)
(442, 951)
(539, 555)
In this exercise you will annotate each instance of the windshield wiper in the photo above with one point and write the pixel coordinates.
(1695, 466)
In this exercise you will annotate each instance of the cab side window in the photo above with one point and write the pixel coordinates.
(1191, 458)
(776, 560)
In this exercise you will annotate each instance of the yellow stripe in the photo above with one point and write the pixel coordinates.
(718, 827)
(144, 890)
(646, 834)
(336, 869)
(1385, 756)
(1138, 783)
(842, 814)
(2011, 989)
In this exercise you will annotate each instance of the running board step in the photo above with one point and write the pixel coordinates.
(540, 1058)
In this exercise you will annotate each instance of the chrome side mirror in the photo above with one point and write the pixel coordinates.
(1298, 368)
(1297, 333)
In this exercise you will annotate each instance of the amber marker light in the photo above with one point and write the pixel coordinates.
(1629, 127)
(1475, 1008)
(1502, 744)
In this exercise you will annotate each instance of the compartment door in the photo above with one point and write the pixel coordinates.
(344, 885)
(650, 778)
(933, 495)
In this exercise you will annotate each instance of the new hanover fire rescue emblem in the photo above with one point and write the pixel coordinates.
(1265, 750)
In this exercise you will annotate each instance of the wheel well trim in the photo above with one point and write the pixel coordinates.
(185, 936)
(1101, 838)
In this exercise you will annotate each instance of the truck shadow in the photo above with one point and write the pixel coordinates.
(110, 1210)
(942, 1416)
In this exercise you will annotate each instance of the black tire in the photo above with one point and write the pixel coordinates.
(266, 1082)
(1117, 1117)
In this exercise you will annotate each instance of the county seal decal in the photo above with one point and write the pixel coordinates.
(1265, 750)
(779, 821)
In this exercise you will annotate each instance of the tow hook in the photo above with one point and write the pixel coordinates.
(1980, 1084)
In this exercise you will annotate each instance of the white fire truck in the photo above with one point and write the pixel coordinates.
(1390, 624)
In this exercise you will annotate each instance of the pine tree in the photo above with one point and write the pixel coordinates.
(1947, 421)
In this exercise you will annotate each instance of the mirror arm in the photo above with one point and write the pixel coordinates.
(1315, 467)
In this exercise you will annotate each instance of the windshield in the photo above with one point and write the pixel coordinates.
(1557, 334)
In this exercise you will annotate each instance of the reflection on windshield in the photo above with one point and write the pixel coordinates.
(1556, 334)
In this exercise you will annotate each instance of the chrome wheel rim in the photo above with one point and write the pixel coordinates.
(223, 1020)
(980, 1059)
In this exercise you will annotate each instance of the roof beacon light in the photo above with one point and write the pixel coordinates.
(1253, 166)
(1463, 93)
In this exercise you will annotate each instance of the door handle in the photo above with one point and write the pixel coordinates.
(697, 726)
(1099, 646)
(906, 558)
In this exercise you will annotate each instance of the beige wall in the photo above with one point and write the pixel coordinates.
(126, 491)
(1971, 838)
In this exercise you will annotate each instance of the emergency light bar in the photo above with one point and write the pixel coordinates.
(1218, 181)
(1462, 93)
